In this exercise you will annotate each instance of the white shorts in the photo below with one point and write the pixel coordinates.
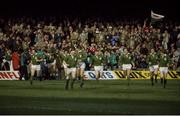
(126, 66)
(82, 65)
(98, 68)
(153, 68)
(71, 70)
(35, 67)
(163, 70)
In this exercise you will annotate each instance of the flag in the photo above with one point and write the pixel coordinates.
(155, 17)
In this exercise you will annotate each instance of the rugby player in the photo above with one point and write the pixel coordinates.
(164, 62)
(153, 65)
(126, 61)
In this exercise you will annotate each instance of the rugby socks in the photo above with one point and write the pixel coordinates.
(31, 81)
(152, 79)
(81, 85)
(72, 83)
(97, 78)
(128, 78)
(165, 81)
(82, 82)
(156, 78)
(40, 78)
(161, 80)
(67, 84)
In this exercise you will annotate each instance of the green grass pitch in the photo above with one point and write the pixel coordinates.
(103, 97)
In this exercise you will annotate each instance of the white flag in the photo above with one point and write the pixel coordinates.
(156, 16)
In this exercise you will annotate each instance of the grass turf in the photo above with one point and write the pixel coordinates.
(103, 97)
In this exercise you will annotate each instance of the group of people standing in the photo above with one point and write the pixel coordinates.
(74, 62)
(65, 48)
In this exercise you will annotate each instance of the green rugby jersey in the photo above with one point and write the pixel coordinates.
(33, 59)
(98, 60)
(125, 59)
(164, 60)
(38, 57)
(153, 59)
(71, 60)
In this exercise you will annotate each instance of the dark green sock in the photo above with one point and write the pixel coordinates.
(82, 82)
(156, 78)
(128, 78)
(165, 81)
(72, 83)
(161, 80)
(67, 84)
(152, 79)
(31, 80)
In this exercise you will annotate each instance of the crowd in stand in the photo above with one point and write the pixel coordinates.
(56, 36)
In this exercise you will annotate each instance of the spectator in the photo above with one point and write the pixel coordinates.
(16, 60)
(19, 35)
(144, 50)
(165, 41)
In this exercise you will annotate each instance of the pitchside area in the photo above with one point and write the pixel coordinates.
(103, 97)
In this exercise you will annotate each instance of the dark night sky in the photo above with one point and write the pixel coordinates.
(139, 8)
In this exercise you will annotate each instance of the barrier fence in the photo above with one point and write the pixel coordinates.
(9, 75)
(107, 75)
(110, 75)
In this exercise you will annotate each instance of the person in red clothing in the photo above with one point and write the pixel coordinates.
(92, 48)
(16, 60)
